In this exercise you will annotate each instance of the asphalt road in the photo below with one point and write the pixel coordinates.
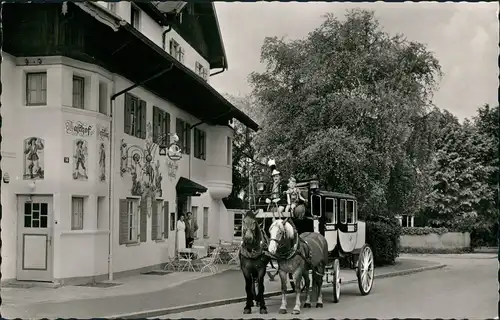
(466, 288)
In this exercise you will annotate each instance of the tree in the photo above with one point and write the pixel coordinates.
(342, 104)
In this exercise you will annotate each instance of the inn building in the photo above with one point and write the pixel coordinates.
(110, 130)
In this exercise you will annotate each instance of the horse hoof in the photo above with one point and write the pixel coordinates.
(247, 311)
(296, 311)
(263, 311)
(307, 305)
(319, 305)
(282, 311)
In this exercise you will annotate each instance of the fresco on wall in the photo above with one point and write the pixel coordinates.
(80, 157)
(142, 166)
(34, 158)
(102, 162)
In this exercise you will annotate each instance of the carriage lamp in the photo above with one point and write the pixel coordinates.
(314, 184)
(260, 186)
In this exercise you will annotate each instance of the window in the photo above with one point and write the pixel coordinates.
(201, 70)
(135, 116)
(200, 144)
(132, 221)
(316, 205)
(135, 16)
(350, 212)
(330, 211)
(229, 151)
(176, 50)
(78, 92)
(238, 224)
(184, 132)
(157, 216)
(36, 88)
(342, 215)
(101, 214)
(406, 221)
(77, 213)
(161, 126)
(112, 6)
(194, 210)
(205, 222)
(103, 98)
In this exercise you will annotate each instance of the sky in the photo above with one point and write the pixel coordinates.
(462, 36)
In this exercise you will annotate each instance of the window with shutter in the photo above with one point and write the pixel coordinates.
(154, 222)
(205, 222)
(165, 219)
(77, 213)
(135, 116)
(199, 151)
(36, 88)
(78, 92)
(142, 131)
(123, 221)
(187, 142)
(143, 232)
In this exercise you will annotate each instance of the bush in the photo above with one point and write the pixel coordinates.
(421, 231)
(435, 250)
(382, 235)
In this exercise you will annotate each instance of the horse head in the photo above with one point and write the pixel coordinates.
(250, 229)
(280, 231)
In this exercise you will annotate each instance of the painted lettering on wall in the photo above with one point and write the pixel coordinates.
(102, 132)
(78, 128)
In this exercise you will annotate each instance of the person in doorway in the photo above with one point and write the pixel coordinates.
(191, 228)
(181, 233)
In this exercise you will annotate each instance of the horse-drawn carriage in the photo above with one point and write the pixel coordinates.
(328, 235)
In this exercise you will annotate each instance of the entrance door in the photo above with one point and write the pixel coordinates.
(34, 238)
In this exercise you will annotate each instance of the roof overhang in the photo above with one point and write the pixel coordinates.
(181, 85)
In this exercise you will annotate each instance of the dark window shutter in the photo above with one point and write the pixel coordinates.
(203, 146)
(179, 129)
(128, 110)
(142, 107)
(123, 221)
(156, 123)
(154, 221)
(143, 231)
(188, 138)
(167, 128)
(165, 219)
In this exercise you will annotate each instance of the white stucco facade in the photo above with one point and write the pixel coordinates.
(86, 252)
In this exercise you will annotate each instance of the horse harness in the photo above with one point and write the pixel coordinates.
(254, 253)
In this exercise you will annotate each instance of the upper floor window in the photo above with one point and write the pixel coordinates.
(183, 131)
(200, 144)
(103, 98)
(36, 88)
(161, 126)
(135, 116)
(176, 50)
(201, 70)
(78, 92)
(229, 151)
(135, 16)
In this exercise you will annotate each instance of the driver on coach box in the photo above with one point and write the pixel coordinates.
(277, 191)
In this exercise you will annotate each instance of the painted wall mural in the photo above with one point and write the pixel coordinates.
(34, 158)
(172, 168)
(79, 128)
(102, 133)
(80, 159)
(142, 166)
(102, 162)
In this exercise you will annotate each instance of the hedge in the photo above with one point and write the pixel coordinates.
(435, 250)
(421, 231)
(382, 235)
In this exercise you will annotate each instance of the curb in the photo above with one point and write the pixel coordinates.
(217, 303)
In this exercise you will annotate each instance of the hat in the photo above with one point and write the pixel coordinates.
(275, 172)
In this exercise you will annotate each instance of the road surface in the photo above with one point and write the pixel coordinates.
(466, 288)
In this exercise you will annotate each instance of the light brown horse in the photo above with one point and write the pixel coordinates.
(297, 255)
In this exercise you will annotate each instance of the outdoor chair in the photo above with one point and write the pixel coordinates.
(186, 262)
(171, 264)
(234, 253)
(210, 261)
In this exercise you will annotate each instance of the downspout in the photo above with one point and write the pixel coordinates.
(163, 40)
(111, 203)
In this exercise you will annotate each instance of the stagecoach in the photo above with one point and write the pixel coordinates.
(335, 216)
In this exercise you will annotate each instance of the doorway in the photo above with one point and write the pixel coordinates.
(34, 238)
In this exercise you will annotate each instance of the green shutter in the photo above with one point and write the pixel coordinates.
(126, 118)
(154, 221)
(142, 108)
(203, 145)
(143, 231)
(123, 221)
(165, 219)
(188, 138)
(167, 128)
(155, 123)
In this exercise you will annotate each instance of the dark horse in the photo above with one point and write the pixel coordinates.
(253, 261)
